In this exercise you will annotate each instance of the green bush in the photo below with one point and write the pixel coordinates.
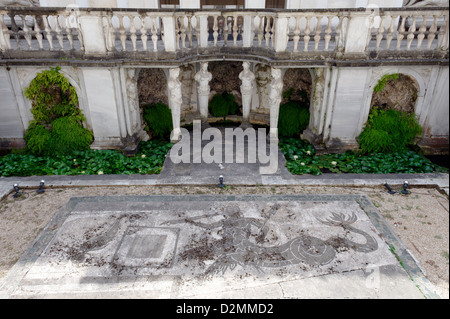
(37, 137)
(388, 131)
(222, 105)
(158, 118)
(293, 119)
(57, 119)
(68, 135)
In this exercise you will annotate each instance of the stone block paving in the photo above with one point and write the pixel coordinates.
(216, 246)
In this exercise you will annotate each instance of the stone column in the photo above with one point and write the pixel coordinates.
(175, 100)
(203, 77)
(248, 78)
(276, 87)
(132, 114)
(313, 132)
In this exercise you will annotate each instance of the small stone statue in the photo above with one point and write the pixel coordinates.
(203, 77)
(133, 104)
(175, 100)
(248, 78)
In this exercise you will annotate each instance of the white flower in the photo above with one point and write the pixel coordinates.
(295, 157)
(100, 173)
(308, 152)
(303, 164)
(82, 172)
(74, 159)
(333, 163)
(143, 155)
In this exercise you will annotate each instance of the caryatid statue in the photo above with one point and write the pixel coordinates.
(203, 77)
(276, 87)
(175, 100)
(248, 79)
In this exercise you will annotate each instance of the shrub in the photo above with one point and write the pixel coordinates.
(158, 118)
(68, 135)
(37, 137)
(57, 120)
(222, 105)
(388, 131)
(293, 119)
(52, 96)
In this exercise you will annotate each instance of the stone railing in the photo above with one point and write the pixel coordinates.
(148, 33)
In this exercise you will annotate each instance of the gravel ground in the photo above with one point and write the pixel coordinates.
(421, 219)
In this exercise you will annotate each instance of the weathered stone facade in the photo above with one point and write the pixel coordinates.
(336, 55)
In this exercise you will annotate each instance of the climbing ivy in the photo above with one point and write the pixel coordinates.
(55, 101)
(384, 79)
(52, 96)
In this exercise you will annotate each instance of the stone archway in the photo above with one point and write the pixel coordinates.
(225, 77)
(152, 86)
(298, 80)
(398, 93)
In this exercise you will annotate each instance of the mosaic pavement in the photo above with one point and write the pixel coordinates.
(252, 246)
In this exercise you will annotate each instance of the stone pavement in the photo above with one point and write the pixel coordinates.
(212, 246)
(219, 246)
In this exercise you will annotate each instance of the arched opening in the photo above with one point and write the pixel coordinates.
(396, 91)
(225, 84)
(152, 86)
(295, 105)
(58, 124)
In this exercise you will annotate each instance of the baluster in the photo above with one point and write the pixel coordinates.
(296, 33)
(442, 36)
(272, 31)
(241, 28)
(122, 35)
(422, 30)
(197, 30)
(177, 32)
(380, 33)
(268, 29)
(15, 30)
(183, 32)
(5, 32)
(26, 31)
(133, 35)
(411, 31)
(307, 32)
(154, 34)
(189, 31)
(37, 31)
(390, 32)
(48, 32)
(401, 31)
(260, 29)
(339, 37)
(226, 28)
(215, 28)
(69, 31)
(143, 33)
(235, 30)
(318, 32)
(328, 33)
(432, 32)
(59, 34)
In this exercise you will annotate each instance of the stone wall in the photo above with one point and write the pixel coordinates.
(400, 94)
(152, 86)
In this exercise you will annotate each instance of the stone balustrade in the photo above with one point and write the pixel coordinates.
(150, 34)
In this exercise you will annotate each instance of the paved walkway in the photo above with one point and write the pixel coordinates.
(217, 246)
